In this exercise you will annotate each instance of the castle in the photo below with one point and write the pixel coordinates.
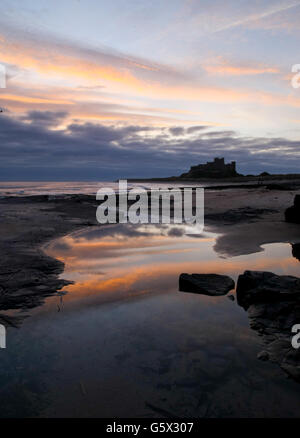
(213, 169)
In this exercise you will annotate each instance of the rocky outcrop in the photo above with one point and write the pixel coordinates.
(296, 251)
(255, 286)
(292, 214)
(206, 284)
(273, 306)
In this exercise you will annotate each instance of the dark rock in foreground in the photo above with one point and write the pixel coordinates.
(292, 214)
(254, 287)
(296, 251)
(206, 284)
(273, 305)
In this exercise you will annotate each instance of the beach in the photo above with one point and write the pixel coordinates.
(96, 325)
(243, 218)
(149, 213)
(95, 310)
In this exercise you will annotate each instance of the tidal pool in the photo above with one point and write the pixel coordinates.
(122, 341)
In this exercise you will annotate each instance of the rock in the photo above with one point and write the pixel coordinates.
(42, 288)
(292, 214)
(273, 305)
(257, 286)
(27, 275)
(12, 321)
(297, 201)
(263, 355)
(206, 284)
(296, 251)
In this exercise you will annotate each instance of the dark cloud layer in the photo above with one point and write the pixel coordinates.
(45, 118)
(31, 150)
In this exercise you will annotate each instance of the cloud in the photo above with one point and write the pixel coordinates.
(255, 17)
(30, 149)
(64, 76)
(176, 130)
(70, 101)
(58, 59)
(33, 100)
(193, 129)
(225, 68)
(287, 20)
(45, 118)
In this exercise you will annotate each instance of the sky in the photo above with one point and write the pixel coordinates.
(101, 90)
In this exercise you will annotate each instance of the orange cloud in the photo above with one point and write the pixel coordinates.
(61, 71)
(67, 66)
(39, 100)
(233, 70)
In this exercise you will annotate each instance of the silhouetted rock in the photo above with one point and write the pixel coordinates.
(297, 201)
(296, 251)
(206, 284)
(292, 214)
(256, 286)
(273, 305)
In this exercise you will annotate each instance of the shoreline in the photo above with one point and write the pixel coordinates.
(236, 179)
(27, 274)
(244, 219)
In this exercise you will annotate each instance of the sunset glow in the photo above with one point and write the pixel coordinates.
(186, 64)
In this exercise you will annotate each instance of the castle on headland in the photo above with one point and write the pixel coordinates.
(212, 169)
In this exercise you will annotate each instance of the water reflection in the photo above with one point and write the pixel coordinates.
(120, 261)
(123, 342)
